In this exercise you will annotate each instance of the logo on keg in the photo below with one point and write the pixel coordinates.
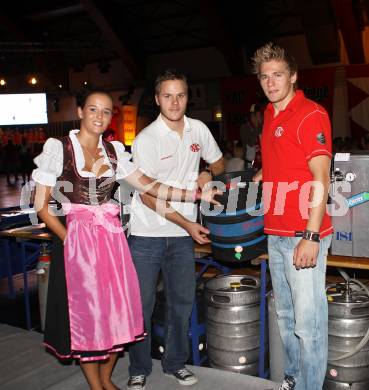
(195, 147)
(279, 131)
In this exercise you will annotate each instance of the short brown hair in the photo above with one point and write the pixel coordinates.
(273, 52)
(169, 74)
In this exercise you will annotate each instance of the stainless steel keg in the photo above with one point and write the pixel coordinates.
(348, 324)
(232, 305)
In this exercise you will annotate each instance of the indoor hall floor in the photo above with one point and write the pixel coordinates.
(24, 364)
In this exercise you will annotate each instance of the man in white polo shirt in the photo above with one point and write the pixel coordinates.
(169, 150)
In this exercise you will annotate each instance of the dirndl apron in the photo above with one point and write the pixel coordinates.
(102, 305)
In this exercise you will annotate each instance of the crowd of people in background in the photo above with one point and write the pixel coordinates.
(17, 150)
(18, 147)
(245, 153)
(349, 144)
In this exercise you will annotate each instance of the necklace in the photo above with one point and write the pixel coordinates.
(93, 156)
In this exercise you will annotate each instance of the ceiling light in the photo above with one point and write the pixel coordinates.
(33, 81)
(2, 82)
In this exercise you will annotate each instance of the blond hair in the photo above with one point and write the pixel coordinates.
(272, 52)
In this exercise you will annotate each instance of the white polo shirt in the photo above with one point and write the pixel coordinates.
(163, 155)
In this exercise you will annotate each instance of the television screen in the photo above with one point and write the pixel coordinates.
(23, 109)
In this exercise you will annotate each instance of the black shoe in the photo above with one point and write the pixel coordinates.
(184, 376)
(288, 383)
(136, 382)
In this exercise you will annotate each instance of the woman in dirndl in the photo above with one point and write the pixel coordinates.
(94, 304)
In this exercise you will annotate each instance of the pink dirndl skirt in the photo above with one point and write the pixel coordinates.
(104, 303)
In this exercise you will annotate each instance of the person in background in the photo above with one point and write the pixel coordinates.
(296, 150)
(250, 133)
(169, 150)
(237, 162)
(11, 161)
(364, 142)
(337, 144)
(93, 303)
(25, 161)
(109, 135)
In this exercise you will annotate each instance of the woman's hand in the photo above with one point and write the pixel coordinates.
(258, 176)
(208, 193)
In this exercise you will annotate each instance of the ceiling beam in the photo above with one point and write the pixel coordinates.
(320, 31)
(222, 39)
(41, 64)
(350, 30)
(56, 13)
(112, 35)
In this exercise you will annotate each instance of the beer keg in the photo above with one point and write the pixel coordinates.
(348, 324)
(232, 305)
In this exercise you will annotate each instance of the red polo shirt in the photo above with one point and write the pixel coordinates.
(296, 135)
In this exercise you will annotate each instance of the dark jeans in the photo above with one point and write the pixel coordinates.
(174, 256)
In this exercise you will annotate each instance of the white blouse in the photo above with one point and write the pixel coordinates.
(50, 162)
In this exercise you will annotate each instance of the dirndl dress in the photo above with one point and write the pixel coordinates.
(94, 303)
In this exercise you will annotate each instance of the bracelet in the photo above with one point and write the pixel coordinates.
(196, 195)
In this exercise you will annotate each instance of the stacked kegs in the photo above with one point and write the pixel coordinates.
(348, 328)
(233, 323)
(236, 227)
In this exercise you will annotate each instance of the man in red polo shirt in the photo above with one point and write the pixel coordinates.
(296, 156)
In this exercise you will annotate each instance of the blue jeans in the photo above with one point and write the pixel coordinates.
(302, 311)
(174, 256)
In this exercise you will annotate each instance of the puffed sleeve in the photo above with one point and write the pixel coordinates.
(49, 163)
(124, 164)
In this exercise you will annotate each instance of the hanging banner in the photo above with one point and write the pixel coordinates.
(239, 93)
(357, 77)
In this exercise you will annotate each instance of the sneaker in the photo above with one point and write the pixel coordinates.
(184, 376)
(288, 383)
(136, 382)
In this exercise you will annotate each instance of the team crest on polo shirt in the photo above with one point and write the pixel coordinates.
(195, 147)
(320, 138)
(279, 131)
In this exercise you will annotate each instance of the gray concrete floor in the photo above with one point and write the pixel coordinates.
(24, 365)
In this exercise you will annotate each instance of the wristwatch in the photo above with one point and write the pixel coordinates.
(311, 236)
